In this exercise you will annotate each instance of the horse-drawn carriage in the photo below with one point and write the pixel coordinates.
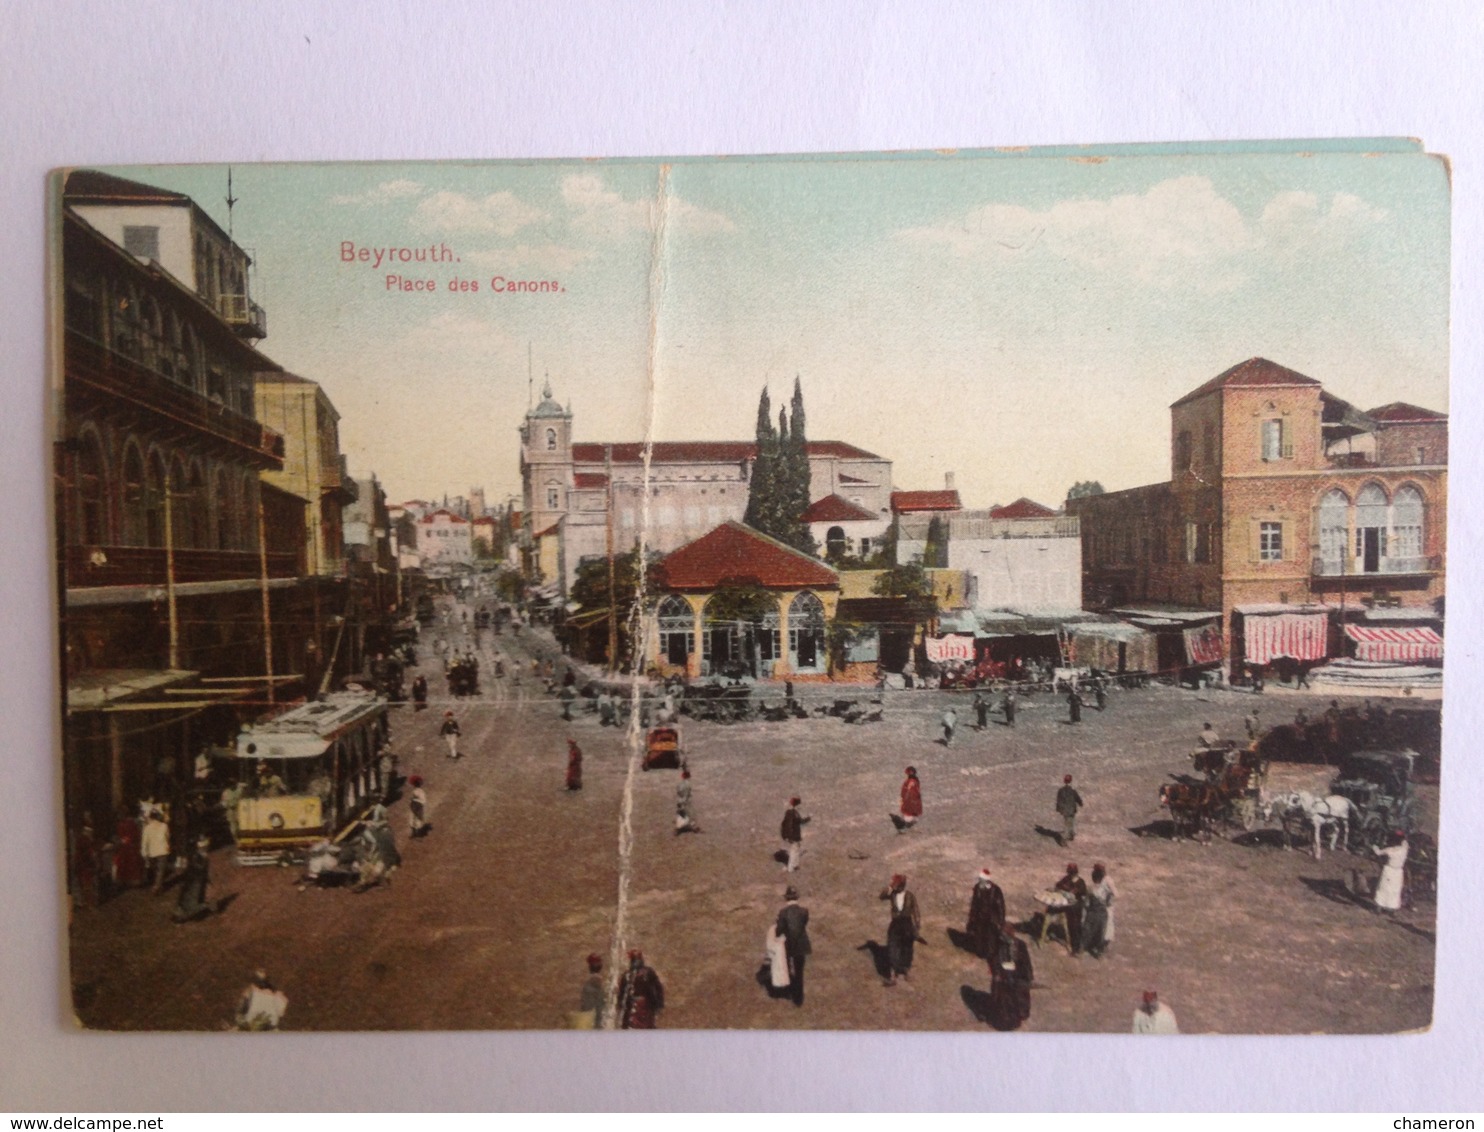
(1229, 795)
(1378, 784)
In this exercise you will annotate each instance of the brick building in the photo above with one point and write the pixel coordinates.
(1289, 515)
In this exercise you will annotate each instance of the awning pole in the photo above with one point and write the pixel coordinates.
(174, 658)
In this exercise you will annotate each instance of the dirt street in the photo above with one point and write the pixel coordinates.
(488, 922)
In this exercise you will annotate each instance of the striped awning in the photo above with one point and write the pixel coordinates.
(1412, 642)
(1300, 636)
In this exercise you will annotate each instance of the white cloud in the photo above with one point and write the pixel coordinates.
(1180, 232)
(599, 210)
(1299, 220)
(502, 213)
(384, 193)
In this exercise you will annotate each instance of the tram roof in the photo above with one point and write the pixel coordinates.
(328, 718)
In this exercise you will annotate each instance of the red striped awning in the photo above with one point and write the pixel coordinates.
(1411, 642)
(1301, 636)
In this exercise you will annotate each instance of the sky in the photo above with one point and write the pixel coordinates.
(1021, 319)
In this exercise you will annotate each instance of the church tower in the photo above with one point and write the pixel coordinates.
(546, 462)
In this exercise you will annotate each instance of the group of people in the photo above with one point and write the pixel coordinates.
(638, 999)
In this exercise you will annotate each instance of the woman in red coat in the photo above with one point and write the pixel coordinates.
(911, 808)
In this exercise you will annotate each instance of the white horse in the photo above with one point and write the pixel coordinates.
(1068, 678)
(1334, 811)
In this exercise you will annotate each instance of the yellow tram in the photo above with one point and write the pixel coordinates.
(306, 774)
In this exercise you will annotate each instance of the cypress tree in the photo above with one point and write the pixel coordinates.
(760, 488)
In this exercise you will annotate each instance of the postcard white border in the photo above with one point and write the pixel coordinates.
(145, 82)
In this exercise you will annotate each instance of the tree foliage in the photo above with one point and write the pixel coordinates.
(1083, 488)
(910, 580)
(778, 491)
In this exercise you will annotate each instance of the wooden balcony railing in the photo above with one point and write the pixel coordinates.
(145, 565)
(91, 363)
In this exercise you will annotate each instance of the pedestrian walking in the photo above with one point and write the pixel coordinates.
(950, 721)
(450, 732)
(1254, 725)
(641, 995)
(378, 852)
(1068, 802)
(1097, 924)
(194, 883)
(902, 931)
(1154, 1017)
(589, 1013)
(1010, 978)
(793, 927)
(262, 1005)
(792, 832)
(1074, 705)
(986, 916)
(685, 820)
(1075, 887)
(417, 807)
(910, 807)
(1100, 695)
(574, 765)
(1009, 708)
(154, 845)
(420, 693)
(981, 712)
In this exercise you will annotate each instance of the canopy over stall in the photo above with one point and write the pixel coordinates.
(1399, 643)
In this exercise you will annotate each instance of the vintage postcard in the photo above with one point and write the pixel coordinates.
(933, 591)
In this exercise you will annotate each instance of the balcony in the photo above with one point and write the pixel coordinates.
(1386, 567)
(89, 566)
(243, 315)
(90, 363)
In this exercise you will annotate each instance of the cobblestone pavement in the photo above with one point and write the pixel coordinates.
(488, 922)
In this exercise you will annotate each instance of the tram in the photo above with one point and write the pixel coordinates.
(309, 772)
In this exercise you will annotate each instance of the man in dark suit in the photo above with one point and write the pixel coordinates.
(793, 926)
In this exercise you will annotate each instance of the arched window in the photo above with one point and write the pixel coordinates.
(1334, 530)
(551, 440)
(92, 491)
(1371, 523)
(677, 628)
(1406, 530)
(182, 506)
(249, 514)
(154, 501)
(835, 544)
(806, 632)
(135, 530)
(225, 513)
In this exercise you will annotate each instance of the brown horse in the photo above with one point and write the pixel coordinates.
(1192, 807)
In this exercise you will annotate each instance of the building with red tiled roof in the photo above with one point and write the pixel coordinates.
(1022, 508)
(1284, 501)
(738, 602)
(693, 486)
(843, 529)
(444, 539)
(909, 502)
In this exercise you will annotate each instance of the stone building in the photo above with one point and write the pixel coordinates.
(693, 487)
(738, 602)
(1289, 515)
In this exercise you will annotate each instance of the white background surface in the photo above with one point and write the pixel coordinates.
(155, 81)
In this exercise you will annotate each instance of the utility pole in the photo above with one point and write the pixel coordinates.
(612, 584)
(170, 574)
(267, 606)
